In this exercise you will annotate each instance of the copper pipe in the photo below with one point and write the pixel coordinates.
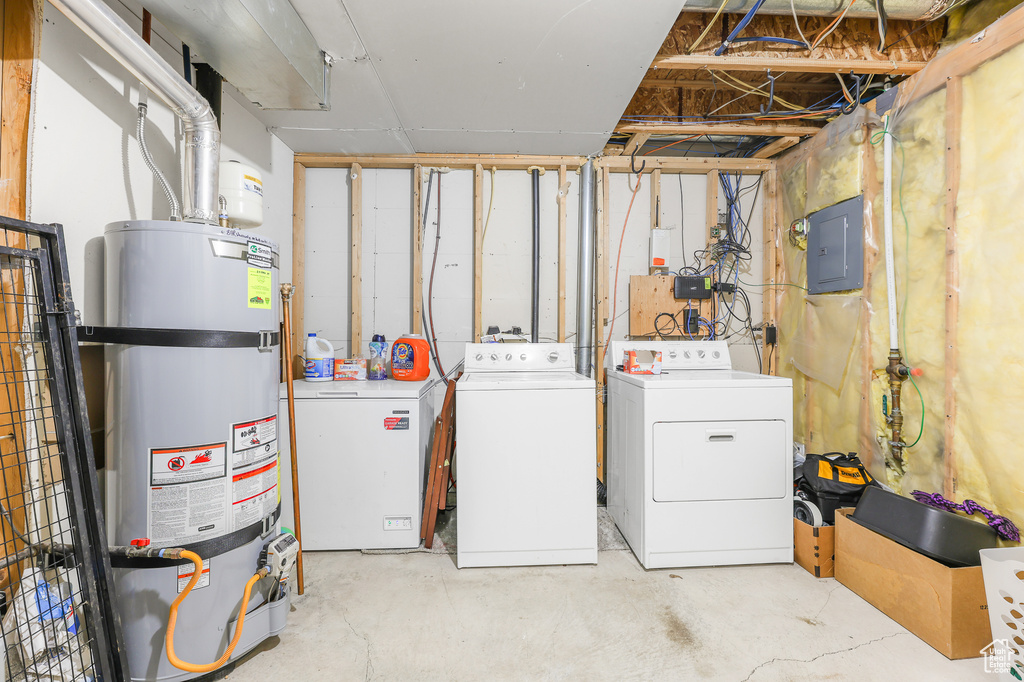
(286, 294)
(898, 373)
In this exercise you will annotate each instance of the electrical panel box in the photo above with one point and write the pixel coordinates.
(835, 247)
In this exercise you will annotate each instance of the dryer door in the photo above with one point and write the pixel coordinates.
(702, 461)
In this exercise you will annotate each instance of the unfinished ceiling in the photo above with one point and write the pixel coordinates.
(531, 77)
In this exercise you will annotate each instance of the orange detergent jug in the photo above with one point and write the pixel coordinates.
(410, 358)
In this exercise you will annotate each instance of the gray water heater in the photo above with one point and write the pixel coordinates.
(192, 434)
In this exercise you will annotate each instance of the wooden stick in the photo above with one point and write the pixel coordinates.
(478, 252)
(954, 109)
(768, 298)
(286, 293)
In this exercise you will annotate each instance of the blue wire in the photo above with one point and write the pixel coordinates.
(739, 27)
(760, 39)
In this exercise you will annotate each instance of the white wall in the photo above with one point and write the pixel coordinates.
(387, 252)
(85, 166)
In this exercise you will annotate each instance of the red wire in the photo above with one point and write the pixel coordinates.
(622, 238)
(694, 137)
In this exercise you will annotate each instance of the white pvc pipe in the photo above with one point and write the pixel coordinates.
(890, 264)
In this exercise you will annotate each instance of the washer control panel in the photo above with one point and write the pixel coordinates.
(525, 357)
(676, 354)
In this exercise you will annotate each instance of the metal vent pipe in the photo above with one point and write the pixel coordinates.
(585, 276)
(921, 10)
(202, 136)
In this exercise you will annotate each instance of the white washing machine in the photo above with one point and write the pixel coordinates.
(700, 458)
(526, 436)
(363, 448)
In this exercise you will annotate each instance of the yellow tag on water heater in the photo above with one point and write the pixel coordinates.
(259, 288)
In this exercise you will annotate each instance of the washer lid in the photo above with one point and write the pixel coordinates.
(346, 390)
(536, 381)
(701, 378)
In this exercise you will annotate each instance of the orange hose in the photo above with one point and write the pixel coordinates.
(173, 617)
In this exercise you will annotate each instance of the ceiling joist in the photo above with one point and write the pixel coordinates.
(692, 62)
(723, 128)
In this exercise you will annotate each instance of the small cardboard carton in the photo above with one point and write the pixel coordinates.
(944, 606)
(351, 369)
(814, 548)
(642, 362)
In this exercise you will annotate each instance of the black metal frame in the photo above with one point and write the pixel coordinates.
(68, 394)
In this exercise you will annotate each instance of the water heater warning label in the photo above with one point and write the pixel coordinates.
(248, 435)
(259, 289)
(186, 571)
(253, 493)
(188, 493)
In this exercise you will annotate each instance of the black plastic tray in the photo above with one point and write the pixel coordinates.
(948, 538)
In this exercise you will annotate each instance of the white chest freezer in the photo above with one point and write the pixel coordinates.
(362, 452)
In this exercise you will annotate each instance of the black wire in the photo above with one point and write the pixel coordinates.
(7, 515)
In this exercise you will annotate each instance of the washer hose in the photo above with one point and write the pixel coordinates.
(173, 616)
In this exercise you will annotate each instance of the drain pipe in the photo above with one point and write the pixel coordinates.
(535, 171)
(202, 136)
(585, 272)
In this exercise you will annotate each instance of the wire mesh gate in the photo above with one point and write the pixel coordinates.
(57, 619)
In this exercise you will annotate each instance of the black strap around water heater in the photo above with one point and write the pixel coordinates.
(205, 549)
(180, 338)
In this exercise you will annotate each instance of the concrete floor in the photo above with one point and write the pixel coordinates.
(417, 617)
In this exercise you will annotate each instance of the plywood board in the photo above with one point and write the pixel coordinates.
(651, 295)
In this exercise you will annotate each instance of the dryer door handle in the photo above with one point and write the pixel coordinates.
(719, 436)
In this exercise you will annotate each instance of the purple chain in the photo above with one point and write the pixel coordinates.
(1003, 526)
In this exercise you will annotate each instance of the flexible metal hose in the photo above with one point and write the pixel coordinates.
(164, 185)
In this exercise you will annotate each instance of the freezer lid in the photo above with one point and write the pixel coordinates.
(697, 378)
(342, 390)
(535, 381)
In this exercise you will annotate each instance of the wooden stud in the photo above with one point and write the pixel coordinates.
(780, 145)
(356, 301)
(478, 252)
(697, 62)
(20, 31)
(601, 291)
(769, 298)
(954, 111)
(636, 140)
(656, 214)
(417, 249)
(707, 84)
(708, 128)
(681, 164)
(461, 161)
(298, 267)
(563, 197)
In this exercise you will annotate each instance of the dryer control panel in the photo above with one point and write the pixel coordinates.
(676, 354)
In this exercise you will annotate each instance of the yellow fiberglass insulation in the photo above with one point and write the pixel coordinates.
(989, 384)
(839, 369)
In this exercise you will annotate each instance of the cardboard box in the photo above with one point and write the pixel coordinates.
(944, 606)
(642, 362)
(814, 548)
(353, 369)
